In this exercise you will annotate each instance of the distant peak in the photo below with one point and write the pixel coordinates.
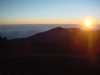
(57, 28)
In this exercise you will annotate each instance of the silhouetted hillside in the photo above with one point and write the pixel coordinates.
(58, 40)
(57, 51)
(3, 45)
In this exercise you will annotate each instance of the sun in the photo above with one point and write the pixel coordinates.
(88, 23)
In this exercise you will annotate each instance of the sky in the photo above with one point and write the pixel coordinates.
(48, 11)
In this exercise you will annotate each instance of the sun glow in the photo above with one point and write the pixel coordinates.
(87, 23)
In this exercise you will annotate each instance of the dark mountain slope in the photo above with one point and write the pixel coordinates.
(59, 51)
(59, 40)
(3, 45)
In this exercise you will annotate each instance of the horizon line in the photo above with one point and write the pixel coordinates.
(46, 24)
(40, 24)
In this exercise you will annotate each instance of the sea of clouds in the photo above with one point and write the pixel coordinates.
(21, 31)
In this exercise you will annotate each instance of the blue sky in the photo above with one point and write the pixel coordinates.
(48, 11)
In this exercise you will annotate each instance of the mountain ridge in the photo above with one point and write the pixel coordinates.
(57, 40)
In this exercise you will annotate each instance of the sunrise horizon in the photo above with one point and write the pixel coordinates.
(49, 11)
